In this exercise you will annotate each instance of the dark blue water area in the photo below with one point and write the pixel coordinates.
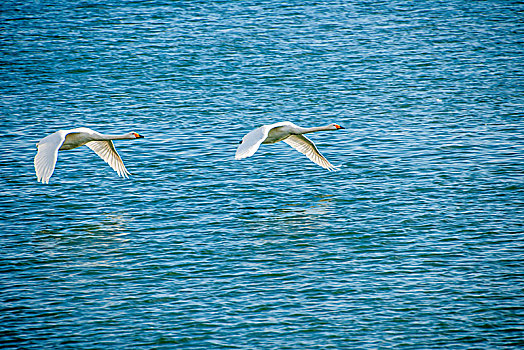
(417, 242)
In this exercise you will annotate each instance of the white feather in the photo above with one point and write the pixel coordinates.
(47, 155)
(106, 150)
(308, 148)
(48, 147)
(290, 134)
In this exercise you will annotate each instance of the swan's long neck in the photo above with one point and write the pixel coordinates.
(315, 128)
(115, 137)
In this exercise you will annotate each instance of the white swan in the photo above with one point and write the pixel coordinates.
(102, 145)
(289, 133)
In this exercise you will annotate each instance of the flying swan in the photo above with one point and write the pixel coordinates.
(289, 133)
(102, 145)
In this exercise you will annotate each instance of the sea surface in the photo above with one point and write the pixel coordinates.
(417, 242)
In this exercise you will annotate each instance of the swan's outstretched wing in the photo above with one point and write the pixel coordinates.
(307, 147)
(106, 150)
(45, 159)
(251, 141)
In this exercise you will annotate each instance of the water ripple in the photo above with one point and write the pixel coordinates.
(415, 243)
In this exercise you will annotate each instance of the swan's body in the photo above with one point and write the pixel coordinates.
(289, 133)
(102, 145)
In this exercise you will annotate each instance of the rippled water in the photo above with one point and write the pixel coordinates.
(416, 243)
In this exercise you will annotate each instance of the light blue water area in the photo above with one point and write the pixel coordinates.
(415, 243)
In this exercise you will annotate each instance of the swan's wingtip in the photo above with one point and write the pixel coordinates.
(43, 180)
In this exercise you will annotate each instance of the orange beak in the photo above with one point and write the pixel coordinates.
(339, 127)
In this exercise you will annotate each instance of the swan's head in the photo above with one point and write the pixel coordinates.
(135, 135)
(336, 126)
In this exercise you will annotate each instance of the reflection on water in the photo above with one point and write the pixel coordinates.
(116, 223)
(291, 217)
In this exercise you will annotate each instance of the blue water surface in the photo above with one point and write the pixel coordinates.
(417, 242)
